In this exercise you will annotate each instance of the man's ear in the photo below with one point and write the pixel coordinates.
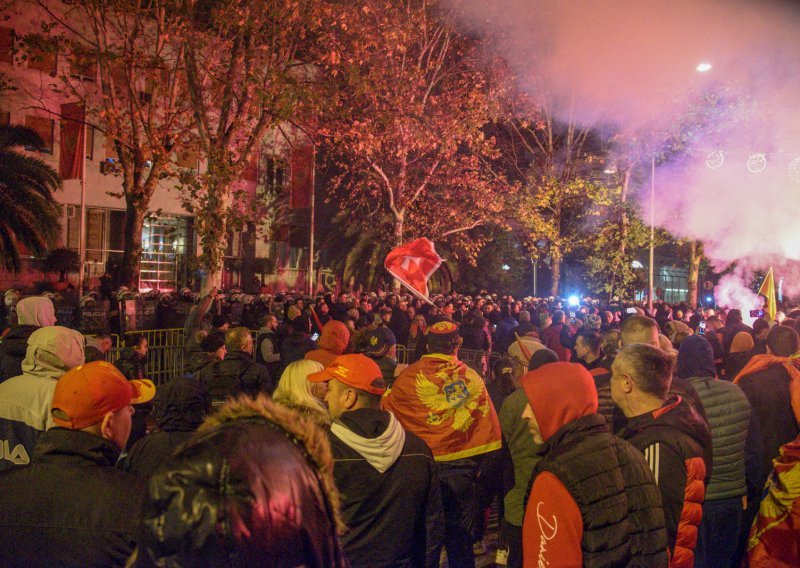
(107, 426)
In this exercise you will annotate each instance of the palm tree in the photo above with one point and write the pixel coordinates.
(30, 214)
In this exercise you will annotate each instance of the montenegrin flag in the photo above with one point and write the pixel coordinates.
(445, 403)
(413, 264)
(768, 291)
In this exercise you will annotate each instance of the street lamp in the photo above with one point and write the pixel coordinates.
(703, 67)
(652, 229)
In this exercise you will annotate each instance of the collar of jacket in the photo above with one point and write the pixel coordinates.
(74, 445)
(589, 423)
(239, 355)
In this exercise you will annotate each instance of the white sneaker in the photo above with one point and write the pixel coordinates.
(501, 556)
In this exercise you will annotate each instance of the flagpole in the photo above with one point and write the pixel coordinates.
(82, 232)
(311, 282)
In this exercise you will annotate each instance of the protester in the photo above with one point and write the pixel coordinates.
(588, 350)
(551, 336)
(179, 407)
(97, 347)
(197, 319)
(297, 393)
(733, 325)
(524, 456)
(526, 343)
(391, 499)
(268, 345)
(133, 359)
(25, 399)
(741, 351)
(593, 501)
(132, 364)
(381, 346)
(297, 341)
(210, 348)
(445, 403)
(71, 506)
(260, 490)
(332, 343)
(237, 373)
(728, 414)
(673, 437)
(32, 313)
(773, 539)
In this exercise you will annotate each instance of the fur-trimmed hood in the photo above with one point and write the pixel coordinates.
(314, 438)
(255, 481)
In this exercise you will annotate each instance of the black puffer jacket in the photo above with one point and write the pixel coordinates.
(237, 374)
(623, 522)
(178, 408)
(70, 507)
(13, 349)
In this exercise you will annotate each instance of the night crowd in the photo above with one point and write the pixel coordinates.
(379, 430)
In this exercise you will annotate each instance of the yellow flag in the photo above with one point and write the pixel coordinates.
(768, 291)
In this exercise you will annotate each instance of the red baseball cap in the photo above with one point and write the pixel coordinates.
(88, 392)
(354, 370)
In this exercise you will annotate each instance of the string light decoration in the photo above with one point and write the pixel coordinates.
(757, 163)
(715, 159)
(794, 170)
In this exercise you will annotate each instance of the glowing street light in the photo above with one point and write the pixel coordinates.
(703, 67)
(637, 264)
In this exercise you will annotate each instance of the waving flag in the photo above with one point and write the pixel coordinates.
(413, 264)
(768, 291)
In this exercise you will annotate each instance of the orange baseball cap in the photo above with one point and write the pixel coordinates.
(354, 370)
(88, 392)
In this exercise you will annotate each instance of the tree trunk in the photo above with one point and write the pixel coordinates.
(213, 233)
(132, 255)
(695, 258)
(398, 240)
(623, 222)
(555, 265)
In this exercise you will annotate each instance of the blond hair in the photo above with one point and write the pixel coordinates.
(294, 388)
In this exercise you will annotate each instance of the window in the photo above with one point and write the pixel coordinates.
(83, 64)
(6, 45)
(5, 118)
(41, 54)
(187, 159)
(44, 128)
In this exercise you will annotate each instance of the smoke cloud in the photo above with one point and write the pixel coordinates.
(633, 65)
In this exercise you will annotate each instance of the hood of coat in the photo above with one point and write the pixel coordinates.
(335, 337)
(696, 358)
(558, 394)
(52, 351)
(38, 311)
(375, 434)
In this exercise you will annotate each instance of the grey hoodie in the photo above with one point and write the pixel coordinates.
(36, 310)
(25, 399)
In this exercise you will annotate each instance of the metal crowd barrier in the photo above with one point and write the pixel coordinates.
(478, 360)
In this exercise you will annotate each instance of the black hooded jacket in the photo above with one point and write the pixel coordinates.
(70, 506)
(179, 408)
(13, 349)
(395, 516)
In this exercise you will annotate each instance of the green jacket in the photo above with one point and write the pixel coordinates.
(523, 454)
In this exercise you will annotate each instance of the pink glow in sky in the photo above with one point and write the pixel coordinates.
(633, 64)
